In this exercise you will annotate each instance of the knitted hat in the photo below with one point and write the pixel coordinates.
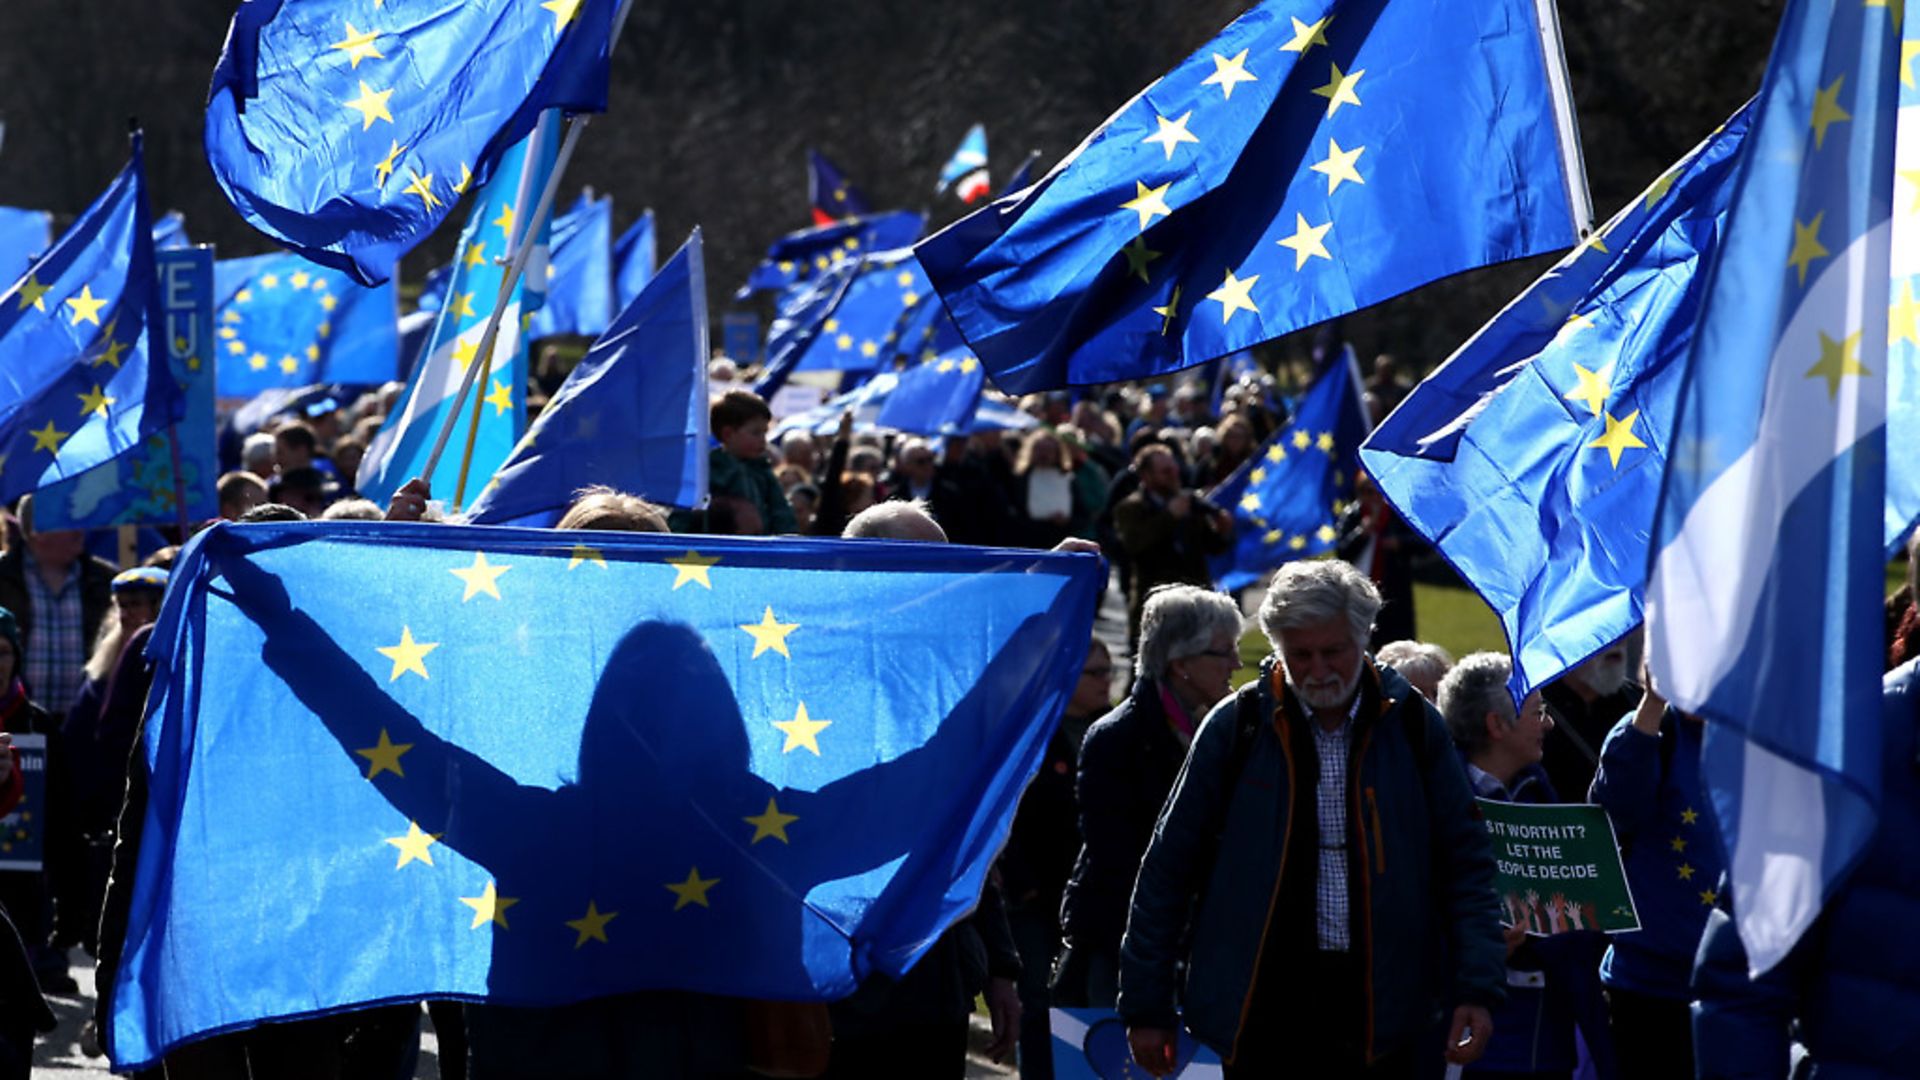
(140, 577)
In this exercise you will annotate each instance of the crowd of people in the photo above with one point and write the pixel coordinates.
(1295, 872)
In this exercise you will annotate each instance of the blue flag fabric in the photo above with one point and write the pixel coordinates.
(399, 452)
(870, 400)
(24, 236)
(632, 415)
(798, 257)
(170, 232)
(966, 170)
(286, 322)
(82, 385)
(1265, 184)
(332, 129)
(862, 331)
(1023, 175)
(1764, 604)
(169, 479)
(833, 196)
(748, 769)
(936, 397)
(1287, 499)
(799, 319)
(1533, 458)
(579, 272)
(635, 255)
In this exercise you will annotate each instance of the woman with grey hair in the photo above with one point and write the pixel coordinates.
(1189, 651)
(1421, 663)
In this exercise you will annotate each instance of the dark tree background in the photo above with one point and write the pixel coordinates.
(715, 101)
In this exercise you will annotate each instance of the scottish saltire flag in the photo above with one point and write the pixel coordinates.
(635, 255)
(1287, 499)
(632, 415)
(579, 272)
(966, 171)
(399, 452)
(283, 321)
(699, 797)
(1533, 458)
(936, 397)
(347, 131)
(170, 477)
(1268, 183)
(862, 331)
(798, 257)
(1091, 1044)
(24, 236)
(1764, 592)
(798, 320)
(170, 232)
(834, 198)
(82, 382)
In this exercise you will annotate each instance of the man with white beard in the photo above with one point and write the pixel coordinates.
(1585, 704)
(1320, 866)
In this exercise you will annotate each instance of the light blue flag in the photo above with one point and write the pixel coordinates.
(24, 235)
(170, 232)
(347, 131)
(494, 225)
(966, 171)
(351, 804)
(1764, 602)
(1286, 500)
(632, 415)
(285, 321)
(82, 384)
(1269, 182)
(1533, 458)
(170, 477)
(635, 255)
(579, 272)
(936, 397)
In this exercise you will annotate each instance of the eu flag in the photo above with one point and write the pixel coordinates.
(799, 256)
(579, 272)
(1287, 499)
(1764, 593)
(833, 196)
(1533, 458)
(634, 258)
(632, 414)
(862, 331)
(286, 322)
(532, 768)
(936, 397)
(494, 226)
(798, 320)
(83, 383)
(347, 131)
(1272, 181)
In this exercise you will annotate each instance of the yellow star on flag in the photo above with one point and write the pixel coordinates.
(465, 352)
(1307, 35)
(257, 361)
(423, 187)
(1592, 387)
(1903, 318)
(581, 553)
(1276, 453)
(1326, 534)
(1306, 241)
(869, 349)
(384, 756)
(1908, 50)
(49, 438)
(1273, 536)
(844, 341)
(86, 307)
(372, 105)
(693, 567)
(1172, 133)
(1148, 202)
(1708, 897)
(1806, 245)
(1339, 89)
(1827, 111)
(115, 348)
(505, 221)
(1302, 440)
(1338, 168)
(693, 890)
(563, 11)
(382, 169)
(94, 401)
(408, 655)
(1229, 73)
(501, 398)
(1250, 501)
(301, 279)
(1619, 437)
(801, 731)
(1678, 843)
(476, 255)
(1257, 476)
(769, 633)
(1298, 543)
(489, 907)
(1325, 442)
(1838, 359)
(33, 294)
(1138, 256)
(1686, 872)
(289, 365)
(592, 926)
(358, 46)
(462, 305)
(1168, 311)
(466, 180)
(1660, 188)
(1898, 8)
(1236, 294)
(771, 823)
(481, 577)
(414, 847)
(1689, 816)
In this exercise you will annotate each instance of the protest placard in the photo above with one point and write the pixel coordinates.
(1557, 868)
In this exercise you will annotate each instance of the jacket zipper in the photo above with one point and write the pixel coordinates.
(1286, 840)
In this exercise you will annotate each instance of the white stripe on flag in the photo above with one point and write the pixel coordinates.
(1776, 866)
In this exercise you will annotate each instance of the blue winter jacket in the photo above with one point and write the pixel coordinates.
(1650, 788)
(1853, 981)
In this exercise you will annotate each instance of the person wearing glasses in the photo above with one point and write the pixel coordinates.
(1189, 651)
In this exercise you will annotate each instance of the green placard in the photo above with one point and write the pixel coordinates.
(1557, 868)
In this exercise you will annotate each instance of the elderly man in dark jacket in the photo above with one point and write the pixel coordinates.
(1320, 867)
